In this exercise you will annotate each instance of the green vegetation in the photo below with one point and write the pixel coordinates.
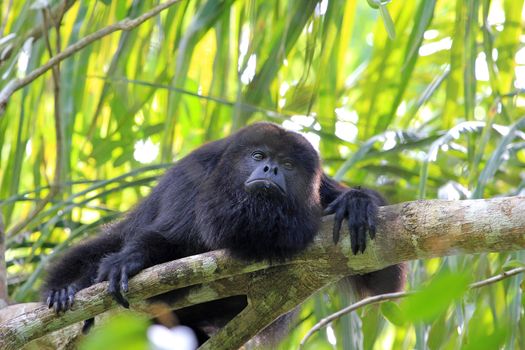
(417, 99)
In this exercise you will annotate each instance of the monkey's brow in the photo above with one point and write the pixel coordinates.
(257, 145)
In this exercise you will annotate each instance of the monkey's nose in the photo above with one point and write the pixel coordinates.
(271, 169)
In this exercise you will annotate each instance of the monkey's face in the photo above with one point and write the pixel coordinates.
(269, 173)
(277, 164)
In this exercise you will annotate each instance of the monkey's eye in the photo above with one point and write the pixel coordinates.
(288, 165)
(258, 155)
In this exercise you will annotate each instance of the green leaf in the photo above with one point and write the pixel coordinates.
(479, 336)
(497, 158)
(436, 297)
(373, 3)
(437, 336)
(512, 264)
(152, 129)
(393, 313)
(126, 331)
(486, 341)
(453, 134)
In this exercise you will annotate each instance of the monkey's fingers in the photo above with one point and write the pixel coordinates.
(120, 299)
(353, 237)
(332, 207)
(60, 300)
(371, 216)
(338, 221)
(357, 224)
(328, 210)
(71, 291)
(124, 280)
(372, 231)
(64, 299)
(114, 289)
(361, 238)
(102, 275)
(50, 298)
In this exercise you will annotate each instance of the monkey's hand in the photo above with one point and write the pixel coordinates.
(117, 268)
(360, 210)
(61, 299)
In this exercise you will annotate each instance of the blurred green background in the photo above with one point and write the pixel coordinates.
(417, 99)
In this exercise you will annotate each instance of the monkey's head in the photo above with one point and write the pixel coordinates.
(266, 201)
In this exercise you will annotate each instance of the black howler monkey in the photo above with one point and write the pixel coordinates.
(260, 193)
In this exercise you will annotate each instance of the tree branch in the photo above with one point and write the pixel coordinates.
(58, 11)
(407, 231)
(124, 25)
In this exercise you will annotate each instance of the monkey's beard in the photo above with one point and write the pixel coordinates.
(257, 226)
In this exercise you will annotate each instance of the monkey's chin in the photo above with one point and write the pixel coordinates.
(264, 187)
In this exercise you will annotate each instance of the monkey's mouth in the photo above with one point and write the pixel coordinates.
(264, 186)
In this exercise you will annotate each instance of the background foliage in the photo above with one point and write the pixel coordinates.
(435, 111)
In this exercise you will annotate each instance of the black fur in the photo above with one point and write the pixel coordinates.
(204, 202)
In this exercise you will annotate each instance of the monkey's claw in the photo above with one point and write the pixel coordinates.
(116, 269)
(61, 299)
(360, 211)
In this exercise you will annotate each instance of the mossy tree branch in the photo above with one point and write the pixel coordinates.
(407, 231)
